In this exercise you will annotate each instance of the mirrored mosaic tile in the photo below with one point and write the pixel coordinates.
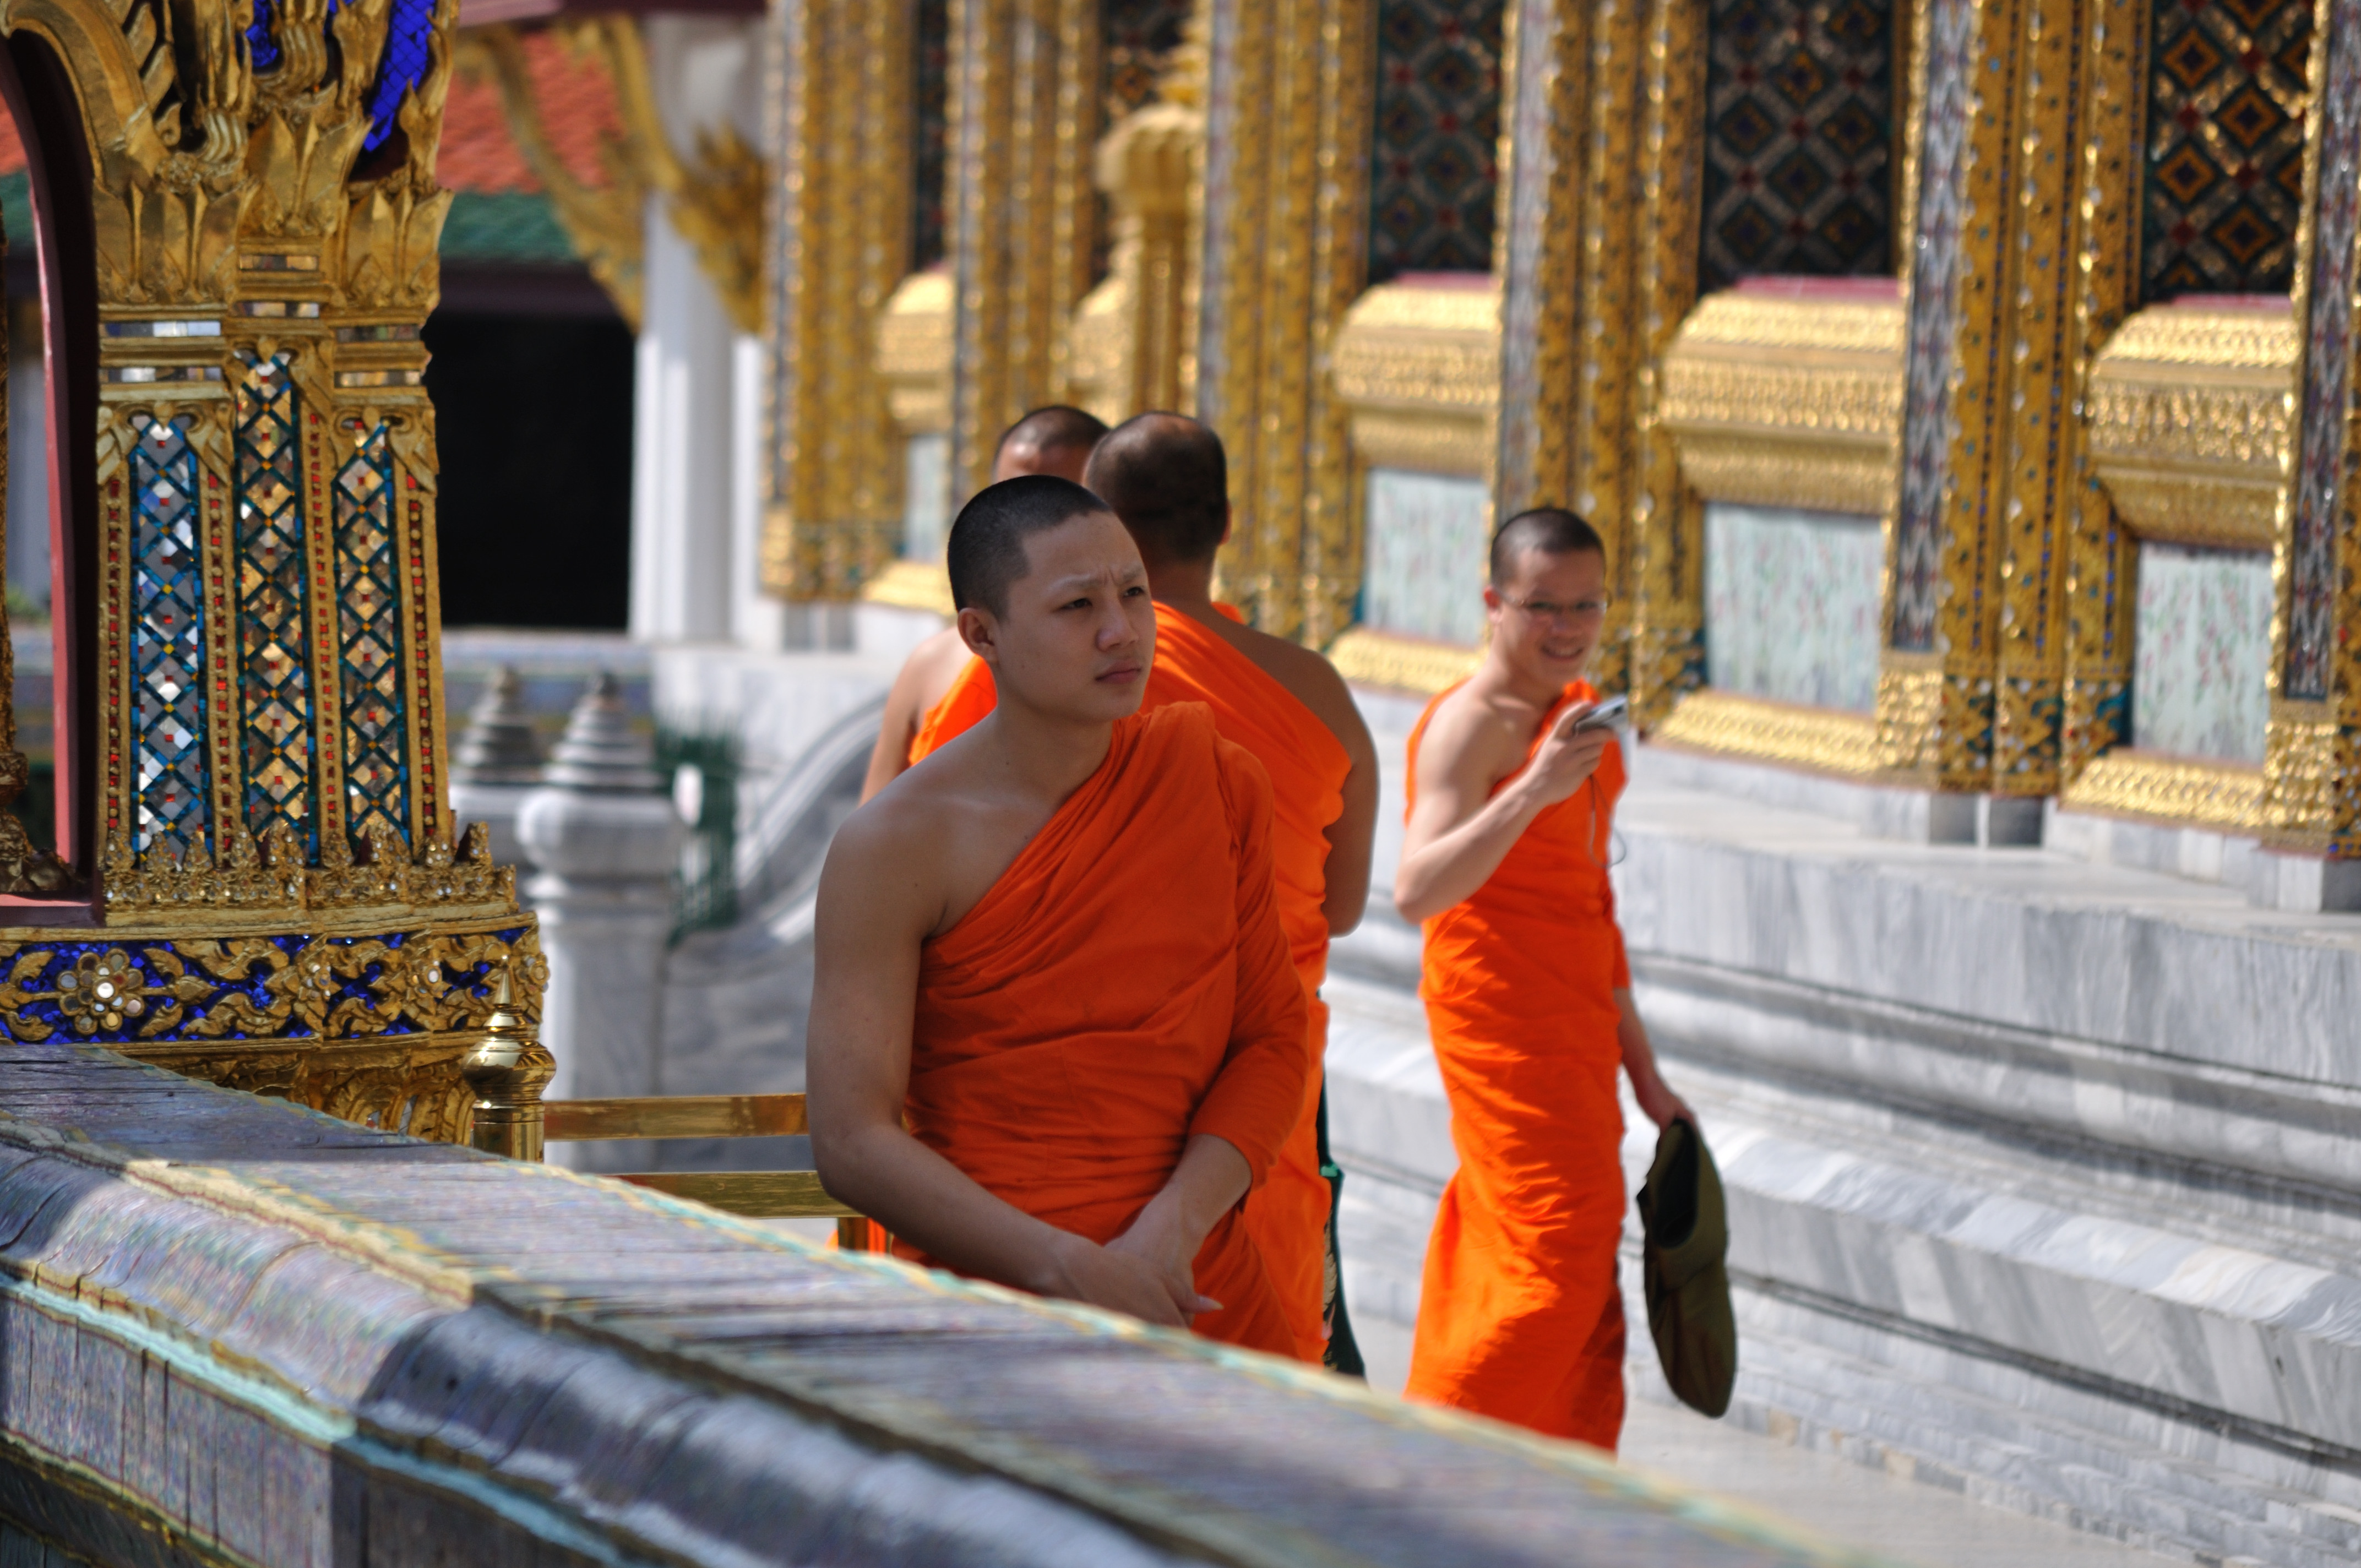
(166, 642)
(2225, 168)
(1427, 538)
(276, 742)
(1435, 140)
(1791, 605)
(368, 598)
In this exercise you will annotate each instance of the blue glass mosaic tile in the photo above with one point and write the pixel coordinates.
(168, 643)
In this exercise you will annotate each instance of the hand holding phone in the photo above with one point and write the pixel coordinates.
(1612, 714)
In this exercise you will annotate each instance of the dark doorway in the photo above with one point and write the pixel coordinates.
(533, 423)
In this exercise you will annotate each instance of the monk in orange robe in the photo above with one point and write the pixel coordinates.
(1529, 1000)
(1054, 946)
(1166, 477)
(1054, 440)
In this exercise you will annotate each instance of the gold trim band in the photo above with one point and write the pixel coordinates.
(1820, 740)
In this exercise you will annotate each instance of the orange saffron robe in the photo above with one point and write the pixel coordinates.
(1520, 1315)
(1124, 985)
(1308, 765)
(972, 695)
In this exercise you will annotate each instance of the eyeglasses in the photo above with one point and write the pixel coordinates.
(1547, 610)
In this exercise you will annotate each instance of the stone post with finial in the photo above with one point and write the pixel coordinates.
(496, 763)
(601, 830)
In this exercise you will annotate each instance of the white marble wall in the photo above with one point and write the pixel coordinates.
(1428, 537)
(2202, 651)
(926, 497)
(1792, 604)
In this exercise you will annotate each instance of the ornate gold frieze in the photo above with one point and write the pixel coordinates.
(2180, 792)
(913, 354)
(2188, 418)
(1400, 663)
(1780, 398)
(1730, 724)
(1418, 370)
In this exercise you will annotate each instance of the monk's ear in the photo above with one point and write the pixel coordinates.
(978, 632)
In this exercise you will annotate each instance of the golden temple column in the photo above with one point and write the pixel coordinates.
(1575, 329)
(2313, 768)
(282, 900)
(840, 245)
(1025, 116)
(1286, 231)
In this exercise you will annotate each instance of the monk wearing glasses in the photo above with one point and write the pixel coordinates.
(1528, 1000)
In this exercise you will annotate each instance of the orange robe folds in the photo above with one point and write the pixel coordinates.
(1307, 764)
(1123, 986)
(1519, 1314)
(972, 696)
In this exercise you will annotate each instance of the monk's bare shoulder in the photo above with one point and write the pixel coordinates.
(1309, 677)
(1472, 740)
(934, 664)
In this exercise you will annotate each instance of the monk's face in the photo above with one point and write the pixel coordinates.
(1020, 458)
(1547, 618)
(1079, 629)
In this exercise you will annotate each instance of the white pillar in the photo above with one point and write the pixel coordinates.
(696, 458)
(606, 841)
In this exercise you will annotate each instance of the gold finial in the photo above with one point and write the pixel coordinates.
(506, 1073)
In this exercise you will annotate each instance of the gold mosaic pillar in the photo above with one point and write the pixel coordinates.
(281, 900)
(2101, 556)
(1023, 122)
(2072, 273)
(1935, 688)
(1574, 328)
(1665, 641)
(841, 96)
(2313, 768)
(1286, 243)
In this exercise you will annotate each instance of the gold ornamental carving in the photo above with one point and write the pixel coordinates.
(1818, 740)
(2188, 415)
(267, 250)
(1775, 400)
(1372, 658)
(913, 354)
(2177, 792)
(1130, 349)
(1418, 370)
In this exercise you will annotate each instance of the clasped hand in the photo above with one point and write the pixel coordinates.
(1147, 1271)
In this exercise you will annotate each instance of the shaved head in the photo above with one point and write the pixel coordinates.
(987, 543)
(1553, 531)
(1056, 440)
(1166, 477)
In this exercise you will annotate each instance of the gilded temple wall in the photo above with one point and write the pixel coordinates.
(2006, 282)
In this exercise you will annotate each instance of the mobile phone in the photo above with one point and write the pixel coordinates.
(1611, 714)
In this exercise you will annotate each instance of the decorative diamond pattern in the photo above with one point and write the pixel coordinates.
(2225, 146)
(167, 642)
(930, 131)
(368, 600)
(404, 63)
(1799, 142)
(275, 738)
(1433, 167)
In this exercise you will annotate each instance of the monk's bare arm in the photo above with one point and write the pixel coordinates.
(925, 674)
(1648, 1086)
(1351, 837)
(878, 902)
(890, 756)
(1460, 831)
